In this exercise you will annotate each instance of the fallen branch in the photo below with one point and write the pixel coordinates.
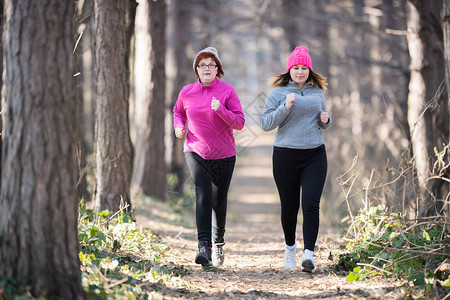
(413, 251)
(375, 267)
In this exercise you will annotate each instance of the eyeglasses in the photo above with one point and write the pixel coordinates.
(204, 66)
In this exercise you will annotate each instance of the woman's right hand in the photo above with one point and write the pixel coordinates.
(290, 99)
(179, 132)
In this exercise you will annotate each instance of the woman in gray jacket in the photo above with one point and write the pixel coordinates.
(296, 105)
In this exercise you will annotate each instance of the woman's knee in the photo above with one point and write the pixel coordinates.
(311, 205)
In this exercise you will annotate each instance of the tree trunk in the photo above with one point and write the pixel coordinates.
(182, 70)
(394, 122)
(427, 110)
(446, 28)
(446, 43)
(395, 62)
(2, 4)
(112, 136)
(373, 15)
(355, 80)
(79, 111)
(291, 9)
(88, 82)
(315, 27)
(149, 168)
(38, 202)
(373, 105)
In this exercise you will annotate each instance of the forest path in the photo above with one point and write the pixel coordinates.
(254, 249)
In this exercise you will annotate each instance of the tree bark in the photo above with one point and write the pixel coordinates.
(427, 109)
(149, 167)
(2, 104)
(446, 28)
(79, 111)
(88, 82)
(182, 69)
(112, 137)
(38, 201)
(315, 27)
(356, 49)
(291, 9)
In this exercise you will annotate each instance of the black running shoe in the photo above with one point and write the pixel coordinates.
(204, 254)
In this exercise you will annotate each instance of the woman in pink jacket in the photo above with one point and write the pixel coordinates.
(211, 109)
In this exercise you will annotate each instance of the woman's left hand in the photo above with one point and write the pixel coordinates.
(215, 104)
(324, 117)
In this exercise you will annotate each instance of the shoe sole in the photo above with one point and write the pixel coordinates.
(217, 264)
(289, 268)
(307, 266)
(201, 260)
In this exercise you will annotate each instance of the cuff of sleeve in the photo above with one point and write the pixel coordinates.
(178, 125)
(220, 109)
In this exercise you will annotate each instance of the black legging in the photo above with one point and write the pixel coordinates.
(292, 169)
(212, 180)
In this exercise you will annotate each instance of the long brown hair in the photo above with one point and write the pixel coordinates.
(317, 80)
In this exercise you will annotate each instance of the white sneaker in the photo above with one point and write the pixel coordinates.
(290, 261)
(217, 254)
(308, 261)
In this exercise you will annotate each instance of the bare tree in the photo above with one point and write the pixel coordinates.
(182, 72)
(2, 5)
(315, 27)
(427, 106)
(290, 10)
(112, 137)
(446, 27)
(373, 15)
(79, 27)
(88, 82)
(149, 167)
(38, 201)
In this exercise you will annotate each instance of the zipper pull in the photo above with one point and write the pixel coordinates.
(301, 92)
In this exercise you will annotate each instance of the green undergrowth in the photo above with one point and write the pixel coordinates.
(120, 260)
(385, 245)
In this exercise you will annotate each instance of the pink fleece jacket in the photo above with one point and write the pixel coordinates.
(209, 133)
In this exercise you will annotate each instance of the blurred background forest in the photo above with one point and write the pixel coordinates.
(369, 50)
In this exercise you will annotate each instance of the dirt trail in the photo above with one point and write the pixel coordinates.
(254, 249)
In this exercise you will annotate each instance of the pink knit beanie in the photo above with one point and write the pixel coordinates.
(299, 56)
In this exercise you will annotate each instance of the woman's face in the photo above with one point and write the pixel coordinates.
(207, 70)
(299, 74)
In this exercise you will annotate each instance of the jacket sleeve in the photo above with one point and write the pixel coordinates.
(231, 113)
(274, 112)
(324, 108)
(179, 112)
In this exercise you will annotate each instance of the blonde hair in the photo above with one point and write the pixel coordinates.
(317, 80)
